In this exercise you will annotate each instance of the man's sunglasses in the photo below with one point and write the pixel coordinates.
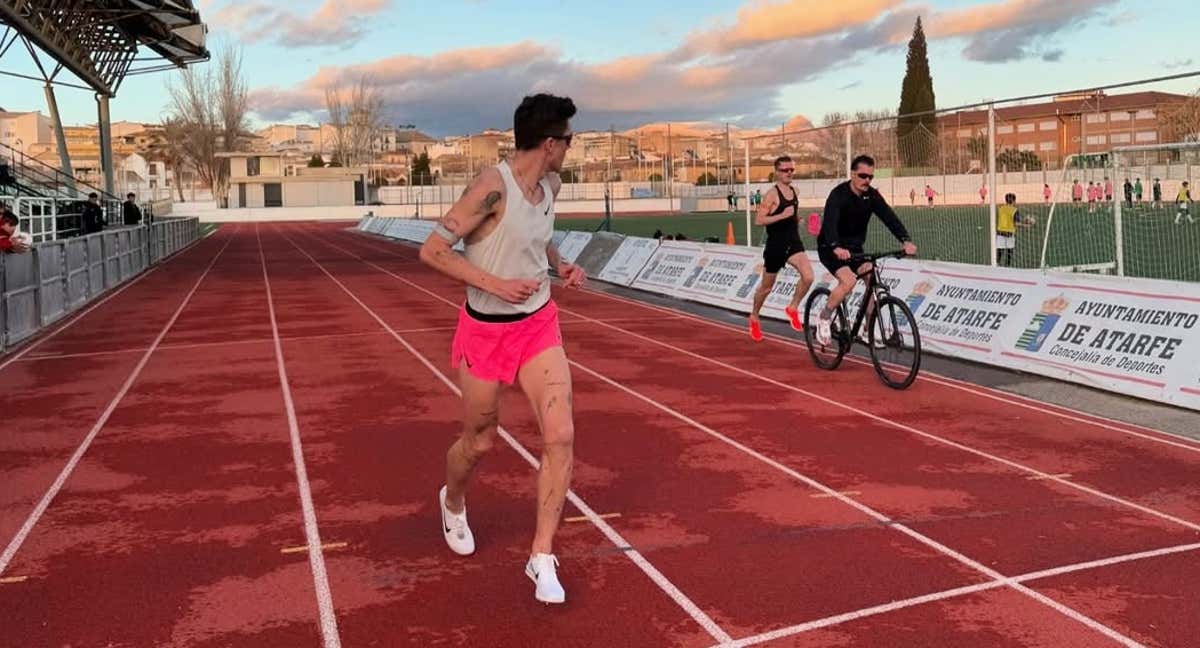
(865, 176)
(787, 170)
(566, 138)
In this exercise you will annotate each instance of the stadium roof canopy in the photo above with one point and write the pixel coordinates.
(103, 41)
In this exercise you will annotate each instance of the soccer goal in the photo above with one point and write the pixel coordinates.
(1157, 227)
(1078, 229)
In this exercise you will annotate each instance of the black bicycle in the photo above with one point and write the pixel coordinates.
(892, 334)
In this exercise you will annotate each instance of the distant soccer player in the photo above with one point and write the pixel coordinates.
(778, 212)
(1007, 219)
(1156, 193)
(1046, 193)
(1184, 201)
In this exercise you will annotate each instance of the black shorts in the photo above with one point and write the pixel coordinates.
(833, 264)
(775, 255)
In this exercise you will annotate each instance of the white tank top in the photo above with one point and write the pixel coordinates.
(515, 249)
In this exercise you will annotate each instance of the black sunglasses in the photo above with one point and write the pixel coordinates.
(865, 176)
(787, 170)
(566, 138)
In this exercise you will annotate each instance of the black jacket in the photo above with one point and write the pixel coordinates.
(132, 214)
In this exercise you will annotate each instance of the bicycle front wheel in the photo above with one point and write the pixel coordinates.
(895, 343)
(825, 356)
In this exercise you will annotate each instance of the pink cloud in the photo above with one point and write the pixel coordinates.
(764, 21)
(334, 22)
(769, 45)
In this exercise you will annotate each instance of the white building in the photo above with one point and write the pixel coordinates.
(24, 131)
(267, 180)
(149, 180)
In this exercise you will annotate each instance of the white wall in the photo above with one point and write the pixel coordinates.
(250, 215)
(951, 189)
(237, 167)
(208, 212)
(254, 195)
(300, 194)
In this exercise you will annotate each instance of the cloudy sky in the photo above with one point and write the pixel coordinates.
(455, 66)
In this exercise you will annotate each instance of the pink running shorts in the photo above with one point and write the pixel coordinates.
(496, 351)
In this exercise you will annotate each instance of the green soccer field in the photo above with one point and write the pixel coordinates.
(1154, 246)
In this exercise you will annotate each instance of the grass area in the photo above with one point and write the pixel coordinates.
(1154, 246)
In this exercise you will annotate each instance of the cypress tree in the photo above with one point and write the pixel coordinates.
(917, 136)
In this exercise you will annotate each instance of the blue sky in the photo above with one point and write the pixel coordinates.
(453, 67)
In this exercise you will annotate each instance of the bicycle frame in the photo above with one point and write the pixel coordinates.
(875, 290)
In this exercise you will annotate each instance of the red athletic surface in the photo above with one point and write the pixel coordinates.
(169, 528)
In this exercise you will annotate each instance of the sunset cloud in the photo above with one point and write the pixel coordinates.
(1012, 29)
(733, 71)
(764, 22)
(334, 22)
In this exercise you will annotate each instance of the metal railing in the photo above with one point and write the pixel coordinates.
(57, 277)
(35, 176)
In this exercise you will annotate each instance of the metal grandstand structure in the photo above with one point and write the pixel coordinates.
(100, 43)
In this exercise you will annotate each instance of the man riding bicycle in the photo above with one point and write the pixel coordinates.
(844, 230)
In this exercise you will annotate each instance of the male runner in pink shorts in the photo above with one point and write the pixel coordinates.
(508, 327)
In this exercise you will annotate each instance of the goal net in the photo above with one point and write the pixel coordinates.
(1155, 214)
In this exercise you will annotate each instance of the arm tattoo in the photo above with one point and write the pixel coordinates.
(489, 202)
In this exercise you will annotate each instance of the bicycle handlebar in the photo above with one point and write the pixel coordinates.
(871, 258)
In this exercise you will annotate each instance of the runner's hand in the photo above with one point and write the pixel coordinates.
(572, 275)
(910, 248)
(841, 253)
(516, 291)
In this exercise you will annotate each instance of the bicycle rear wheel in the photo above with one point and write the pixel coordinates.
(825, 356)
(895, 343)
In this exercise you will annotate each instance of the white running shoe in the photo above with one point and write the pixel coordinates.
(862, 337)
(455, 529)
(541, 570)
(823, 335)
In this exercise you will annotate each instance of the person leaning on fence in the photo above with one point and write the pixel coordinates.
(130, 211)
(93, 215)
(11, 240)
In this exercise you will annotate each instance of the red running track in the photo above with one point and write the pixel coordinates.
(173, 459)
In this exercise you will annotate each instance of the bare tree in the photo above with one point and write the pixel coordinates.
(168, 147)
(1181, 120)
(356, 115)
(208, 109)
